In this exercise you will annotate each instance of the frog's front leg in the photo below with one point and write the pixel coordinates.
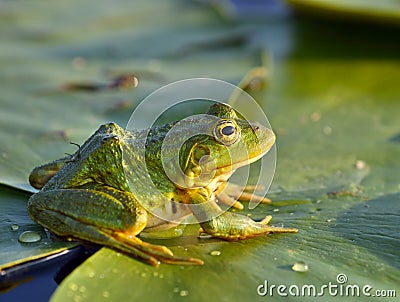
(230, 194)
(230, 226)
(101, 215)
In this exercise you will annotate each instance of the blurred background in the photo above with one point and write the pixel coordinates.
(326, 73)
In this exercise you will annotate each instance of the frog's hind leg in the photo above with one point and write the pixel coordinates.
(153, 253)
(109, 217)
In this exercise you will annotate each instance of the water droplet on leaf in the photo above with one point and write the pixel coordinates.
(204, 236)
(73, 286)
(29, 236)
(215, 253)
(300, 266)
(184, 293)
(91, 274)
(14, 227)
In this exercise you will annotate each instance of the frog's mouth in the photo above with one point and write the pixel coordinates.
(223, 173)
(229, 169)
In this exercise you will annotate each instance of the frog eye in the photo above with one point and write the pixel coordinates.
(226, 132)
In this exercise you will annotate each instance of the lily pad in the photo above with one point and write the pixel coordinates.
(327, 243)
(14, 249)
(337, 173)
(383, 11)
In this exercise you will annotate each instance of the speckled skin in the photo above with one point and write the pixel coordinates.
(89, 195)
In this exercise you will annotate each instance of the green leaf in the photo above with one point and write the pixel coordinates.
(329, 241)
(14, 221)
(335, 117)
(383, 11)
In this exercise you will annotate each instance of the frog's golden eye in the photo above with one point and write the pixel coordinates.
(226, 132)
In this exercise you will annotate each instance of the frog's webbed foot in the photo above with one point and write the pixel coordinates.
(230, 194)
(230, 226)
(101, 215)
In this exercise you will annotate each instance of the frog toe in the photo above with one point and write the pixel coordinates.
(232, 193)
(229, 201)
(151, 253)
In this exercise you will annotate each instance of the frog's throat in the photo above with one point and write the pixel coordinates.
(233, 167)
(222, 174)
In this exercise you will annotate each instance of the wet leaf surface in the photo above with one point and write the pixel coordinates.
(334, 109)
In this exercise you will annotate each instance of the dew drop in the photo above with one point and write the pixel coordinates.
(315, 116)
(77, 298)
(204, 236)
(178, 232)
(78, 63)
(183, 293)
(29, 236)
(300, 266)
(360, 164)
(327, 130)
(14, 227)
(215, 253)
(73, 286)
(105, 294)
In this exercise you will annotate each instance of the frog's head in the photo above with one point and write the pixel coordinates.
(225, 142)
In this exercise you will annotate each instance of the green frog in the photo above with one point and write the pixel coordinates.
(100, 193)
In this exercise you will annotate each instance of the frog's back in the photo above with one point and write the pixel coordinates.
(98, 160)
